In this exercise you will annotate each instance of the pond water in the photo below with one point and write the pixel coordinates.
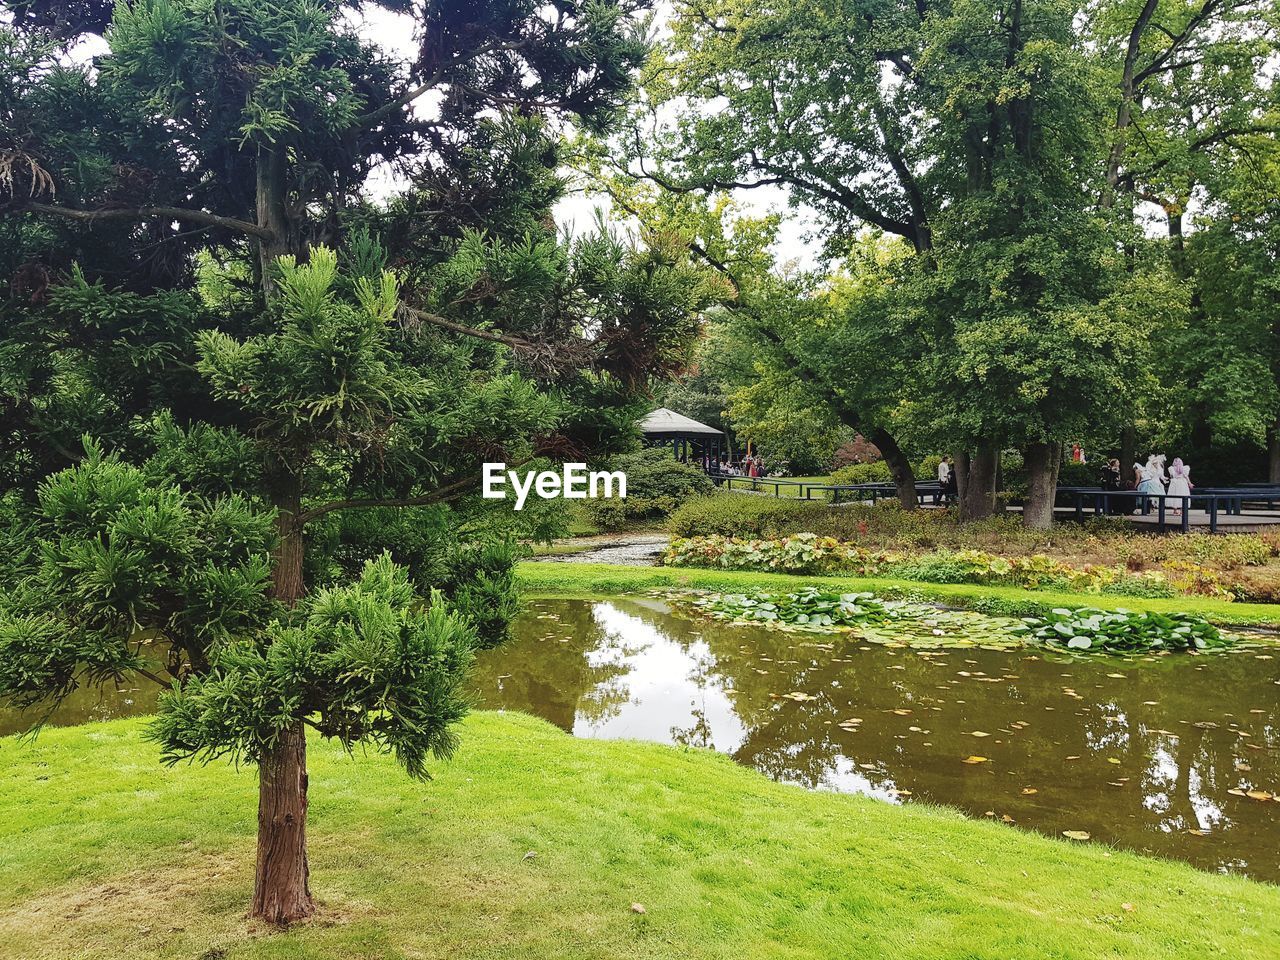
(1136, 753)
(1141, 754)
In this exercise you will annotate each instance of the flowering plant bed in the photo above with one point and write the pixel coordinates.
(808, 553)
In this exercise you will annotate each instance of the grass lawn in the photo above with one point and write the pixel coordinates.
(795, 491)
(103, 853)
(591, 578)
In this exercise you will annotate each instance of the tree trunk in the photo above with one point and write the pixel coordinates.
(1043, 461)
(281, 892)
(272, 212)
(960, 464)
(904, 477)
(1273, 453)
(979, 500)
(1128, 449)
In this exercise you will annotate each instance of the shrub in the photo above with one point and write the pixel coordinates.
(1216, 551)
(1072, 474)
(657, 484)
(854, 473)
(807, 553)
(741, 515)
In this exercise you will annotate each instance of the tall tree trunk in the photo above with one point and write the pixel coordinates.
(1043, 461)
(904, 477)
(281, 891)
(1128, 449)
(960, 461)
(979, 500)
(271, 208)
(1273, 453)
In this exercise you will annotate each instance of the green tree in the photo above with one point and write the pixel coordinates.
(993, 138)
(304, 364)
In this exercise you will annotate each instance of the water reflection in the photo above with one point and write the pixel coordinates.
(1140, 754)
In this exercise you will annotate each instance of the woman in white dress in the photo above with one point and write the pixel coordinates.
(1179, 481)
(1152, 477)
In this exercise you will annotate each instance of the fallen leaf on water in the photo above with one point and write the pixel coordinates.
(1199, 833)
(1075, 834)
(979, 733)
(798, 696)
(1006, 818)
(1258, 795)
(1112, 760)
(902, 713)
(1116, 676)
(975, 759)
(1237, 792)
(1028, 791)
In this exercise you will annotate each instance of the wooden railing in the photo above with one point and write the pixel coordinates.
(1214, 501)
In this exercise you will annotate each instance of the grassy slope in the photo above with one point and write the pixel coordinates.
(586, 578)
(104, 853)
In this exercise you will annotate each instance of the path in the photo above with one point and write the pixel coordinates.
(620, 549)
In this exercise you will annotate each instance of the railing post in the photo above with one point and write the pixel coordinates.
(1161, 496)
(1186, 514)
(1079, 506)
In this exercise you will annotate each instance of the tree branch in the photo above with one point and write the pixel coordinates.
(145, 213)
(443, 494)
(438, 321)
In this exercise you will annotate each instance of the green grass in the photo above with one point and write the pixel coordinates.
(578, 579)
(795, 491)
(103, 853)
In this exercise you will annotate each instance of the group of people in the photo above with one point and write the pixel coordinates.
(752, 465)
(1150, 478)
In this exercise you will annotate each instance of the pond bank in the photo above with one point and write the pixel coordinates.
(583, 579)
(535, 844)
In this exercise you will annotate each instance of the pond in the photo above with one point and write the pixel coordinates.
(1136, 753)
(1141, 753)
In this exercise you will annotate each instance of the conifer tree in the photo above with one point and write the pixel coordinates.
(289, 389)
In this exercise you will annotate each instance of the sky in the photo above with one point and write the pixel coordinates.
(577, 211)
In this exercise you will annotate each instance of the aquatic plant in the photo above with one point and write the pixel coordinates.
(913, 623)
(1124, 631)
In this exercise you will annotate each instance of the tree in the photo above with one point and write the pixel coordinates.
(303, 373)
(992, 137)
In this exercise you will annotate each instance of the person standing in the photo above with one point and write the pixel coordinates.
(1150, 478)
(1180, 483)
(944, 480)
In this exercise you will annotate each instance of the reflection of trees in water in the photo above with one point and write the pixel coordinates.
(558, 668)
(1175, 764)
(702, 675)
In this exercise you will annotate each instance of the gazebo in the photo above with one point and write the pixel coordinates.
(689, 439)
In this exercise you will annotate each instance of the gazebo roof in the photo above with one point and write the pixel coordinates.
(667, 423)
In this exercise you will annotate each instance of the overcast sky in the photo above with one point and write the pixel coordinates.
(576, 212)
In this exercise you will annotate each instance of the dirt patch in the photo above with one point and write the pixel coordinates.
(194, 907)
